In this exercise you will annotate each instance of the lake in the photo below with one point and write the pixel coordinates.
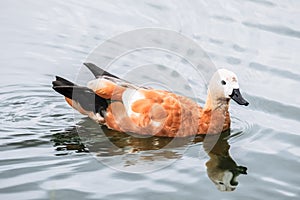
(48, 151)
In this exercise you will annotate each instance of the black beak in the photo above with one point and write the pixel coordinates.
(241, 170)
(237, 97)
(236, 172)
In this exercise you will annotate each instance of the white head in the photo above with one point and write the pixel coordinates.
(224, 85)
(226, 179)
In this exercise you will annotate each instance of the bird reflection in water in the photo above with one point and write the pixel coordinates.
(221, 168)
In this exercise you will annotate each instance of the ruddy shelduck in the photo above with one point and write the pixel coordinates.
(125, 107)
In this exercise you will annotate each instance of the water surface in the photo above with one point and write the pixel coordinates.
(43, 158)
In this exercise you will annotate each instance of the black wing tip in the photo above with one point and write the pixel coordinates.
(59, 81)
(89, 64)
(97, 71)
(66, 91)
(85, 97)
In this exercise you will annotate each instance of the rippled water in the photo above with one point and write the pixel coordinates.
(42, 156)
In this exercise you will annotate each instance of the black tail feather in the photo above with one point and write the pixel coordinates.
(97, 71)
(62, 82)
(86, 97)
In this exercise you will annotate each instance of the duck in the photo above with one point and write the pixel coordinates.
(126, 107)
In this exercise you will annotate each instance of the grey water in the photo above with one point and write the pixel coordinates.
(50, 152)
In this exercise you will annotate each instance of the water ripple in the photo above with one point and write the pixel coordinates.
(278, 72)
(275, 107)
(281, 30)
(223, 18)
(263, 2)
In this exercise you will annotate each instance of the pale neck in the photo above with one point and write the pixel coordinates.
(216, 103)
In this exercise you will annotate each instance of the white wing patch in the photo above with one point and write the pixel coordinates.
(155, 123)
(129, 97)
(97, 84)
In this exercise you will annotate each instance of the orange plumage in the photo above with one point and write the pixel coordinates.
(153, 112)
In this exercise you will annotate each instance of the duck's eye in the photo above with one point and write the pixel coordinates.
(223, 82)
(221, 183)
